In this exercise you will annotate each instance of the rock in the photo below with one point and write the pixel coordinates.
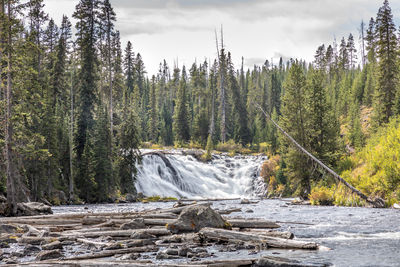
(11, 260)
(137, 223)
(140, 195)
(249, 211)
(8, 239)
(164, 256)
(396, 206)
(131, 256)
(33, 208)
(4, 244)
(48, 254)
(245, 201)
(171, 251)
(3, 199)
(130, 198)
(195, 217)
(183, 251)
(17, 254)
(29, 250)
(53, 245)
(8, 228)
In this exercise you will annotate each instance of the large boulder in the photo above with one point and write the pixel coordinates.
(193, 218)
(33, 208)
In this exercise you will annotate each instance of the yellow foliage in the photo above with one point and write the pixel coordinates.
(321, 196)
(270, 167)
(377, 171)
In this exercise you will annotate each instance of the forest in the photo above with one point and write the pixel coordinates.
(76, 108)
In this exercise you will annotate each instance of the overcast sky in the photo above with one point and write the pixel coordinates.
(255, 29)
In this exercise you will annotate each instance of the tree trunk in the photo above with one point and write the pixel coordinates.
(71, 132)
(268, 241)
(10, 169)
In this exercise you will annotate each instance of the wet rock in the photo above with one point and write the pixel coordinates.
(200, 250)
(193, 218)
(171, 251)
(30, 250)
(4, 245)
(11, 260)
(9, 239)
(48, 254)
(33, 208)
(137, 223)
(183, 251)
(162, 255)
(249, 211)
(17, 254)
(245, 201)
(53, 245)
(131, 256)
(8, 228)
(130, 198)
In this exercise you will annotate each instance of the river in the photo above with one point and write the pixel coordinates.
(355, 236)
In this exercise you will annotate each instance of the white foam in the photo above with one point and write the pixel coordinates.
(224, 177)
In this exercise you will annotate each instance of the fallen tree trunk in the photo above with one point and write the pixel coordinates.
(252, 223)
(221, 234)
(377, 203)
(109, 253)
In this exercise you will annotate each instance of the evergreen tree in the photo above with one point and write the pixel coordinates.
(87, 29)
(294, 122)
(387, 78)
(101, 159)
(153, 122)
(181, 116)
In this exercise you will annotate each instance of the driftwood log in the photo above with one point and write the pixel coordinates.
(99, 240)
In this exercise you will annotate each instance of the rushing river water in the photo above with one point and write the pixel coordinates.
(177, 175)
(355, 236)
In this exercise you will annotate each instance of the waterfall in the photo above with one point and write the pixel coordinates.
(183, 176)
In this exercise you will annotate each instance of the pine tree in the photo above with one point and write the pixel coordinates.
(323, 128)
(153, 122)
(343, 55)
(101, 160)
(181, 116)
(385, 96)
(352, 51)
(370, 39)
(128, 153)
(294, 122)
(87, 28)
(129, 67)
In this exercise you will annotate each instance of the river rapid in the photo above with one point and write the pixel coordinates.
(354, 236)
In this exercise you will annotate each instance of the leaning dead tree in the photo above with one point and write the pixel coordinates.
(377, 202)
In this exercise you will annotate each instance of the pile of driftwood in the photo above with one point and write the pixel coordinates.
(185, 235)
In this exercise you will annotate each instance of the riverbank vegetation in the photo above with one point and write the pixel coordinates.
(76, 107)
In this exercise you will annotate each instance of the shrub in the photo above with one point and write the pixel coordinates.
(321, 196)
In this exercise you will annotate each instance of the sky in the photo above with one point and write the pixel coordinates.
(183, 31)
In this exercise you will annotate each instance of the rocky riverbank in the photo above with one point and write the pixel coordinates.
(186, 235)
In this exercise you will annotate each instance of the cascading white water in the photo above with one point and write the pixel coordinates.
(223, 177)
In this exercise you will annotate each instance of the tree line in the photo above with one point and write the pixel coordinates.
(75, 107)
